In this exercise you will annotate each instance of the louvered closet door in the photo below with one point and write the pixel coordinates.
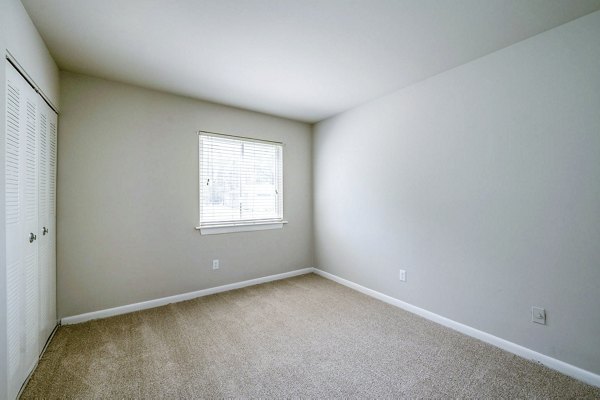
(21, 228)
(14, 231)
(47, 243)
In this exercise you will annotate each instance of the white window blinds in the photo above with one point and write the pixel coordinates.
(241, 181)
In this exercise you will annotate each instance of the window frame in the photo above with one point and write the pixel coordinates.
(218, 227)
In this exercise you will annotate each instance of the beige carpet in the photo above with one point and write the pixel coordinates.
(300, 337)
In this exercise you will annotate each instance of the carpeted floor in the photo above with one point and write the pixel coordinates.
(299, 337)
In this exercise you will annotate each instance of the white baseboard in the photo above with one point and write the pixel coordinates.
(560, 366)
(76, 319)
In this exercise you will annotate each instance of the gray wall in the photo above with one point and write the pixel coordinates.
(26, 45)
(483, 183)
(128, 197)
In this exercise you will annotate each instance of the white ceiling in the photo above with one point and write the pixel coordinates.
(301, 59)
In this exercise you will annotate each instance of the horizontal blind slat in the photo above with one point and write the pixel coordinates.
(240, 180)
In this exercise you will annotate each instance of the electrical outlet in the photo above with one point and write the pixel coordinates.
(402, 275)
(538, 315)
(215, 264)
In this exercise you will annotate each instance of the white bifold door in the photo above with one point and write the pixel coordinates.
(30, 157)
(47, 222)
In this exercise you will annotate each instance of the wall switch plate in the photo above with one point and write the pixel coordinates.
(215, 264)
(538, 315)
(402, 275)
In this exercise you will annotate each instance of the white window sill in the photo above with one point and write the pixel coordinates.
(241, 227)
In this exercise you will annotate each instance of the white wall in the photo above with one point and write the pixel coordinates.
(128, 197)
(483, 183)
(19, 37)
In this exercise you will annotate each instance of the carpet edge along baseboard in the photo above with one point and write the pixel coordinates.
(521, 351)
(144, 305)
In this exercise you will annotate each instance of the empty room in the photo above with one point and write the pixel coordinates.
(300, 199)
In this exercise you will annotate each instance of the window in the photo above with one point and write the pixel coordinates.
(241, 184)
